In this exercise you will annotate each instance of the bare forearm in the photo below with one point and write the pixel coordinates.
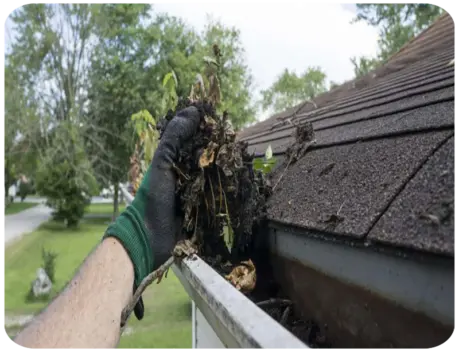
(87, 313)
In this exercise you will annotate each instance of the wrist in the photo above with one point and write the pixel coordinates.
(129, 229)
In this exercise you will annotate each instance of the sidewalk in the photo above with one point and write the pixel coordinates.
(25, 222)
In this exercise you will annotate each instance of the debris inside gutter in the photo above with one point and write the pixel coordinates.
(222, 201)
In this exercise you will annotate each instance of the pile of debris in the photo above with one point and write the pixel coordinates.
(222, 198)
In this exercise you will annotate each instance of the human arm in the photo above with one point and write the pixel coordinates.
(138, 242)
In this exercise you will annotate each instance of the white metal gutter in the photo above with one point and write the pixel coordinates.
(423, 286)
(222, 316)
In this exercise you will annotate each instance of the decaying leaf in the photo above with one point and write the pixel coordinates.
(219, 197)
(243, 277)
(208, 155)
(229, 159)
(198, 89)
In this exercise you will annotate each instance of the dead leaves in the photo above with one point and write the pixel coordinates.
(208, 156)
(229, 159)
(243, 277)
(184, 248)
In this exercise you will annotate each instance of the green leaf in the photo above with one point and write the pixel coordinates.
(267, 168)
(258, 164)
(167, 78)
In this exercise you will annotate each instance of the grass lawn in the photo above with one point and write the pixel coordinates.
(14, 208)
(101, 208)
(167, 320)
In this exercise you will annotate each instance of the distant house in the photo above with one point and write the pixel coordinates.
(362, 226)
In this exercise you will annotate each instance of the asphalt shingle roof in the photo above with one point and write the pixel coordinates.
(383, 154)
(422, 215)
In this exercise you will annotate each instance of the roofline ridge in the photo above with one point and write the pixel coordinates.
(419, 35)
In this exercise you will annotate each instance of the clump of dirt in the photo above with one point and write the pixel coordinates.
(222, 198)
(222, 201)
(304, 137)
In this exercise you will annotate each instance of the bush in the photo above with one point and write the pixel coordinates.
(49, 263)
(24, 190)
(65, 177)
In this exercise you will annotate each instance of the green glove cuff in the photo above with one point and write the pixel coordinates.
(129, 228)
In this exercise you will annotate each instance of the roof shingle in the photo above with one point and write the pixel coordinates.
(422, 215)
(374, 136)
(359, 180)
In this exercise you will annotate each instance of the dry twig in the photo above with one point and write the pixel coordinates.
(179, 252)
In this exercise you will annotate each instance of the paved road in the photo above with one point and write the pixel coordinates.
(25, 222)
(95, 200)
(28, 220)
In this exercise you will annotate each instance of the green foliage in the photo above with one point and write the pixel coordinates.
(95, 65)
(418, 16)
(145, 128)
(175, 46)
(398, 23)
(50, 42)
(291, 89)
(64, 176)
(49, 263)
(118, 88)
(364, 65)
(22, 134)
(265, 164)
(170, 95)
(24, 190)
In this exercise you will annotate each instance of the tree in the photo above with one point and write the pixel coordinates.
(65, 176)
(52, 47)
(91, 67)
(13, 103)
(364, 65)
(176, 47)
(398, 24)
(22, 131)
(49, 65)
(117, 90)
(291, 89)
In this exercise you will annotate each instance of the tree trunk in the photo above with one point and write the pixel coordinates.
(7, 179)
(115, 200)
(7, 185)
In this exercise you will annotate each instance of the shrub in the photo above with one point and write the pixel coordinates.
(24, 190)
(49, 263)
(65, 177)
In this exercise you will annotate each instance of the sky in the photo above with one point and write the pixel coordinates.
(288, 35)
(293, 35)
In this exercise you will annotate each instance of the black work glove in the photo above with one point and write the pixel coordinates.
(147, 228)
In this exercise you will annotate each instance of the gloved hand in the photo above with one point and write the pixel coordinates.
(148, 226)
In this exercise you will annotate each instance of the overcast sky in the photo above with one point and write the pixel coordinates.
(287, 35)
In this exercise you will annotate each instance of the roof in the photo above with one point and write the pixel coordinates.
(381, 170)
